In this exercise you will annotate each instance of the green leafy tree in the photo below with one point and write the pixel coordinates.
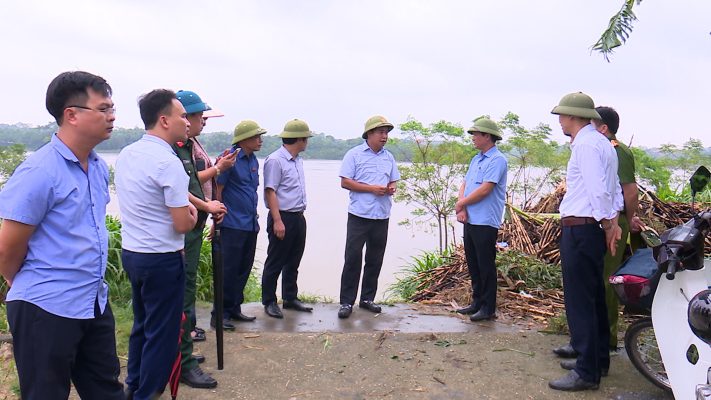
(651, 171)
(682, 162)
(440, 155)
(10, 157)
(536, 162)
(618, 29)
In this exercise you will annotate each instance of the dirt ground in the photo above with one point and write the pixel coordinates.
(456, 359)
(407, 352)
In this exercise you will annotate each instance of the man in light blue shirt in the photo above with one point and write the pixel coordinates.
(370, 173)
(152, 187)
(53, 250)
(480, 207)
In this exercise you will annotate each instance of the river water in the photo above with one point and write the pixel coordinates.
(326, 215)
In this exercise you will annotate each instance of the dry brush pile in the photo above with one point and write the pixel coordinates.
(528, 270)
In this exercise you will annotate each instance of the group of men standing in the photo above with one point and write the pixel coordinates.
(54, 242)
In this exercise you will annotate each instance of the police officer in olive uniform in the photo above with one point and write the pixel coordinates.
(191, 373)
(285, 197)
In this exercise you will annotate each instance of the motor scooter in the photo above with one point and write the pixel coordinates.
(676, 353)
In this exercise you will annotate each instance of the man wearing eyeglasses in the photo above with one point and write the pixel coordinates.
(53, 250)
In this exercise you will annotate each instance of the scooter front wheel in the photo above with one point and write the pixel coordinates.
(643, 351)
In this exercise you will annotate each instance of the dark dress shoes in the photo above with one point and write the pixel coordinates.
(570, 365)
(196, 378)
(296, 305)
(566, 351)
(198, 335)
(370, 306)
(468, 310)
(273, 310)
(241, 317)
(481, 316)
(199, 358)
(572, 383)
(345, 311)
(226, 324)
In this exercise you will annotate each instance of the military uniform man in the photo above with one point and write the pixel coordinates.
(285, 197)
(191, 373)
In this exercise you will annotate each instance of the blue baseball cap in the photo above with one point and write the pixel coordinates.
(192, 102)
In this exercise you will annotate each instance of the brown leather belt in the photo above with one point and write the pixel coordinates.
(575, 221)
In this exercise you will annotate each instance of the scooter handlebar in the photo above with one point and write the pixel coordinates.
(671, 268)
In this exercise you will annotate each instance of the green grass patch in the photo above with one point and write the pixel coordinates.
(534, 272)
(314, 298)
(414, 273)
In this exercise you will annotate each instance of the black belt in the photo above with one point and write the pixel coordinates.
(575, 221)
(292, 212)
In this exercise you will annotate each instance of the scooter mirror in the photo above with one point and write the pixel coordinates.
(699, 180)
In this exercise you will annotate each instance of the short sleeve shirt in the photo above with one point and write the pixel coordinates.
(487, 167)
(364, 165)
(150, 179)
(285, 175)
(63, 271)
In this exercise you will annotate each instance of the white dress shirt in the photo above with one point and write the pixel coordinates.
(593, 185)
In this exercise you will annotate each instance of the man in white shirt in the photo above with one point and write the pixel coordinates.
(152, 188)
(588, 213)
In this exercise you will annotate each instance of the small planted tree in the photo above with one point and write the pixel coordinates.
(536, 162)
(10, 158)
(440, 155)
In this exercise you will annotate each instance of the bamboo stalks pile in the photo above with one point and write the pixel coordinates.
(450, 285)
(539, 236)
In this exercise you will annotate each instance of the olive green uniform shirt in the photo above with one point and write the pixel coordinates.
(625, 162)
(184, 150)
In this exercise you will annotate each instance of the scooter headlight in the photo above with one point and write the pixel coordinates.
(699, 315)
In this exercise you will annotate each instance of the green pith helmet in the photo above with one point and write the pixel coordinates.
(376, 122)
(576, 104)
(247, 129)
(296, 128)
(485, 125)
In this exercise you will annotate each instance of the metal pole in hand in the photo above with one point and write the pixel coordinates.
(217, 278)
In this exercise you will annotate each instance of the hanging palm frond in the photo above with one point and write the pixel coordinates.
(618, 30)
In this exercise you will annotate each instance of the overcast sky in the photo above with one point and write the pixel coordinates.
(335, 63)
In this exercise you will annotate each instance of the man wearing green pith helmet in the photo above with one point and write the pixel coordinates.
(480, 208)
(369, 172)
(285, 197)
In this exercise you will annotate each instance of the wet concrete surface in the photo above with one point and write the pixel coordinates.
(405, 318)
(407, 351)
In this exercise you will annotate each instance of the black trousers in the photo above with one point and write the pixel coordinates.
(284, 257)
(480, 252)
(373, 234)
(50, 351)
(582, 251)
(238, 248)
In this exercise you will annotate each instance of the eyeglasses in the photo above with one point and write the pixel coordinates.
(104, 110)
